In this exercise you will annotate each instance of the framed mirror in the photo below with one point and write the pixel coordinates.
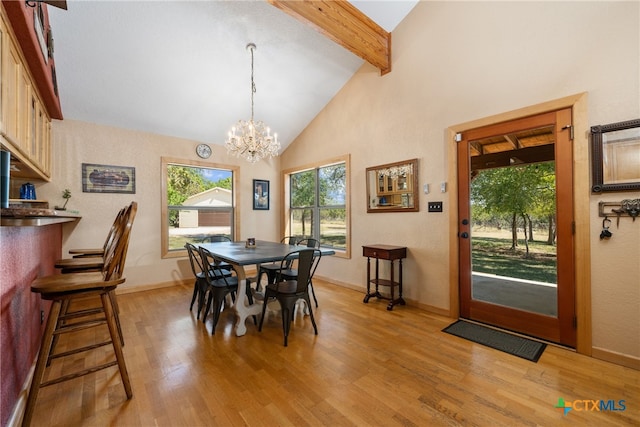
(393, 187)
(615, 156)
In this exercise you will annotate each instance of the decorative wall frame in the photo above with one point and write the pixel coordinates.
(261, 194)
(108, 179)
(615, 157)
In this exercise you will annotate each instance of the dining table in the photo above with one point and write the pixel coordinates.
(239, 255)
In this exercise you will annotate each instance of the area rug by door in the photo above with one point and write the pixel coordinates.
(499, 340)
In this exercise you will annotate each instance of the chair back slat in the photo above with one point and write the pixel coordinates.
(195, 259)
(214, 271)
(308, 260)
(289, 240)
(114, 227)
(133, 210)
(309, 242)
(116, 252)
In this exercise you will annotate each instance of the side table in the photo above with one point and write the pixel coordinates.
(389, 253)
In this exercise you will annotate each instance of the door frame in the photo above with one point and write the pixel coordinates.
(581, 192)
(559, 328)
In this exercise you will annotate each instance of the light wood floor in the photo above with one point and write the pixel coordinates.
(367, 366)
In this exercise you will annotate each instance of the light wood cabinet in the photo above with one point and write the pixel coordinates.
(11, 89)
(25, 126)
(394, 191)
(394, 185)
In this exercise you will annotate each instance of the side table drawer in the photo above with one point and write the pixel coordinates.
(382, 252)
(375, 253)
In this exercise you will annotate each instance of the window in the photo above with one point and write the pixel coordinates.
(198, 201)
(318, 204)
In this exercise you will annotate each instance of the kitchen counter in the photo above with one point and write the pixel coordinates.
(28, 216)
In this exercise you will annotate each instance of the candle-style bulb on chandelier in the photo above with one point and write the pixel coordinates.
(249, 139)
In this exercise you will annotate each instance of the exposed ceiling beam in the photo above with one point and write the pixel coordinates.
(541, 153)
(346, 25)
(62, 4)
(513, 140)
(475, 148)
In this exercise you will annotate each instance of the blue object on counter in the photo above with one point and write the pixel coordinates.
(28, 191)
(5, 165)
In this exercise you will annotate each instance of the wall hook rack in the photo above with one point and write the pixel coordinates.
(627, 207)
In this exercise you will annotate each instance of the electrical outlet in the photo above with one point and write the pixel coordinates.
(434, 206)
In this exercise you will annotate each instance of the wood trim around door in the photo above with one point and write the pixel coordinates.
(581, 191)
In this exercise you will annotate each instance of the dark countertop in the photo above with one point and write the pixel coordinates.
(27, 216)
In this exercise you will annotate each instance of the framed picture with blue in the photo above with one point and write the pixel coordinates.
(108, 179)
(260, 194)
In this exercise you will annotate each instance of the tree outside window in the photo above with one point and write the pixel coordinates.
(318, 206)
(198, 202)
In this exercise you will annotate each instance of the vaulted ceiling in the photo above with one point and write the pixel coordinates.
(180, 68)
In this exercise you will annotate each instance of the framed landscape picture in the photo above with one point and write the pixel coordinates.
(108, 179)
(260, 194)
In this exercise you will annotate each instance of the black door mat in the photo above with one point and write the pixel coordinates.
(503, 341)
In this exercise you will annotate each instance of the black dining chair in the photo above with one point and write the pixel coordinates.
(219, 285)
(272, 269)
(200, 285)
(291, 273)
(288, 292)
(215, 238)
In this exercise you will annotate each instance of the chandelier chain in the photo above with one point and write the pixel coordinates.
(249, 139)
(253, 84)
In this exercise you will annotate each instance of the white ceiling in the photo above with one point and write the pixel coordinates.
(180, 68)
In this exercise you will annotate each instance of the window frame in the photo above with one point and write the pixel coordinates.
(164, 207)
(286, 180)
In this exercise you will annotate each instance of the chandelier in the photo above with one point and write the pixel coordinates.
(249, 139)
(396, 171)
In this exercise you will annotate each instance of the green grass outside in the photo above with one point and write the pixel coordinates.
(495, 256)
(332, 234)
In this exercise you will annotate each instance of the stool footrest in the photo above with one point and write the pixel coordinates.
(79, 326)
(81, 313)
(79, 373)
(79, 350)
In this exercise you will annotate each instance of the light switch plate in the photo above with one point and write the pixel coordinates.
(434, 206)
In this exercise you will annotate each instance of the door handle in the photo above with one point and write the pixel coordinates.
(464, 235)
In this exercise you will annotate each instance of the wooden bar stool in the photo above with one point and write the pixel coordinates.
(93, 259)
(62, 289)
(95, 263)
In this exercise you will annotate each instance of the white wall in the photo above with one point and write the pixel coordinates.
(76, 142)
(455, 62)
